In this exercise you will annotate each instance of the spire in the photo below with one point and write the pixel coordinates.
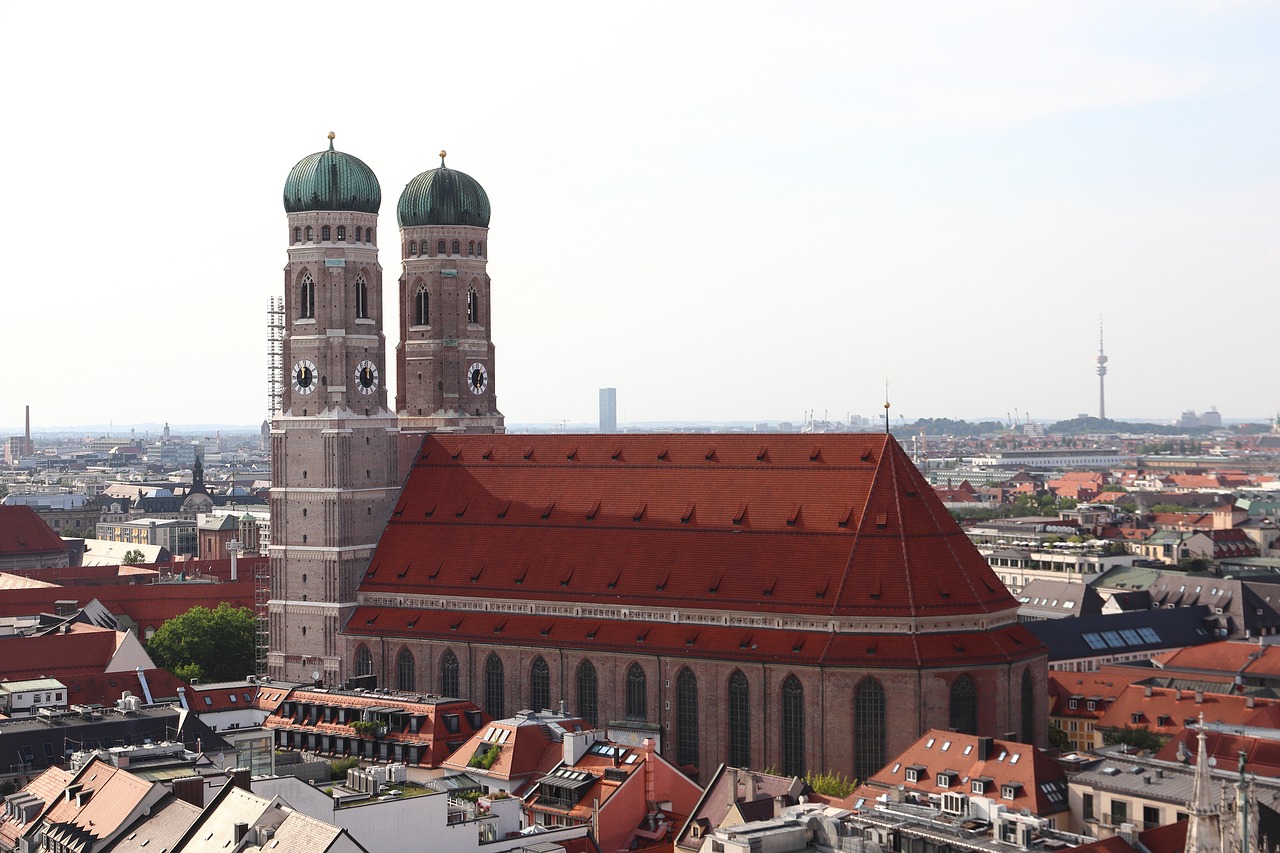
(332, 135)
(443, 154)
(1204, 827)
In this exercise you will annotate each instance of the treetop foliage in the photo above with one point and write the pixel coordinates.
(204, 644)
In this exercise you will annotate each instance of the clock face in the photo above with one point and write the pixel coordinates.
(367, 377)
(304, 377)
(477, 378)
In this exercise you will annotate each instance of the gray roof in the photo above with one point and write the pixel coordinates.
(1123, 633)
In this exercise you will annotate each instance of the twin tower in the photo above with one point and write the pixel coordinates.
(337, 444)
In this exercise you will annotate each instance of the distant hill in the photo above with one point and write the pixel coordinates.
(1080, 426)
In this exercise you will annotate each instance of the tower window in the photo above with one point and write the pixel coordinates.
(413, 248)
(422, 315)
(307, 298)
(310, 234)
(473, 306)
(471, 247)
(539, 684)
(297, 235)
(457, 248)
(480, 248)
(324, 233)
(636, 692)
(739, 720)
(359, 234)
(369, 234)
(449, 674)
(588, 695)
(342, 232)
(362, 298)
(440, 248)
(686, 717)
(792, 727)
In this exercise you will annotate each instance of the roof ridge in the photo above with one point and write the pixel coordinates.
(857, 534)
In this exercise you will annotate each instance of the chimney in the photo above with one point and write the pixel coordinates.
(984, 747)
(190, 790)
(240, 778)
(1146, 692)
(1199, 697)
(1249, 701)
(733, 781)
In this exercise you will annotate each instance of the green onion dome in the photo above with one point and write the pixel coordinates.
(443, 197)
(331, 180)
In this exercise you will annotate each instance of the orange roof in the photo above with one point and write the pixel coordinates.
(530, 748)
(48, 786)
(1098, 689)
(1168, 711)
(22, 532)
(1262, 755)
(111, 796)
(1225, 656)
(1036, 781)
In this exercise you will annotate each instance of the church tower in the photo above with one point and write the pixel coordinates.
(333, 446)
(445, 377)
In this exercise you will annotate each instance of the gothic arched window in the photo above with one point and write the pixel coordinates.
(440, 248)
(495, 701)
(362, 298)
(588, 695)
(297, 235)
(868, 728)
(473, 306)
(324, 233)
(792, 727)
(1028, 708)
(413, 248)
(636, 693)
(480, 248)
(457, 248)
(310, 234)
(405, 675)
(739, 720)
(369, 235)
(964, 706)
(342, 232)
(307, 298)
(539, 684)
(359, 234)
(422, 306)
(686, 718)
(363, 661)
(471, 247)
(449, 675)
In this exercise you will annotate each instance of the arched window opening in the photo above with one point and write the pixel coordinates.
(362, 298)
(868, 728)
(297, 235)
(495, 701)
(471, 247)
(588, 694)
(637, 697)
(1028, 708)
(369, 234)
(449, 675)
(422, 307)
(739, 720)
(405, 676)
(307, 298)
(473, 306)
(342, 233)
(792, 727)
(413, 248)
(440, 248)
(363, 661)
(310, 234)
(359, 234)
(324, 233)
(480, 248)
(457, 248)
(686, 718)
(964, 706)
(539, 685)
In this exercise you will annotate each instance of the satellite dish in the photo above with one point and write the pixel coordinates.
(315, 675)
(1213, 762)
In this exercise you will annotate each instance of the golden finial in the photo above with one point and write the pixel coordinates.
(332, 136)
(886, 407)
(443, 154)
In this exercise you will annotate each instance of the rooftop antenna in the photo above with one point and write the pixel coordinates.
(1102, 372)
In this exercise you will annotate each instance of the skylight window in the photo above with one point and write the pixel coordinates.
(929, 744)
(946, 744)
(1014, 759)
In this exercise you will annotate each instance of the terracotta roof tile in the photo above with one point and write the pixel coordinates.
(22, 532)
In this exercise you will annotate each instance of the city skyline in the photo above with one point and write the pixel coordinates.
(773, 225)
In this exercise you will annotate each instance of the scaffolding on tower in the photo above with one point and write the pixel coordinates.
(275, 394)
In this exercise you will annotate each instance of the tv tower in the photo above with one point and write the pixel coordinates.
(1102, 372)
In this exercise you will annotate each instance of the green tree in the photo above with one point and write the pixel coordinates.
(1058, 739)
(133, 557)
(211, 645)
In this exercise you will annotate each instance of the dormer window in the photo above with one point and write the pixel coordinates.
(1091, 705)
(914, 772)
(1073, 704)
(946, 778)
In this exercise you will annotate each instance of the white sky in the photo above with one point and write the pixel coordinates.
(729, 211)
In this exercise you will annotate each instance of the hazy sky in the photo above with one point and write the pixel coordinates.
(726, 210)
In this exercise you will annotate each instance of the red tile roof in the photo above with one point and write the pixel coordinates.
(1037, 781)
(22, 532)
(1262, 755)
(1099, 688)
(148, 605)
(730, 517)
(1167, 711)
(529, 751)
